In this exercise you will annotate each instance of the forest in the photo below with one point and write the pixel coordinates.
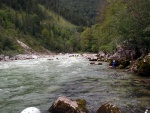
(121, 22)
(74, 26)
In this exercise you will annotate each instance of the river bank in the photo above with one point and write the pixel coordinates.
(39, 55)
(24, 57)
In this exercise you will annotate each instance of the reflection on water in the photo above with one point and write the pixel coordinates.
(40, 82)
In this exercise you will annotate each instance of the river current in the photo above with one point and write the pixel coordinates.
(39, 82)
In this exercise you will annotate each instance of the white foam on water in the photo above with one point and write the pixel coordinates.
(69, 61)
(38, 81)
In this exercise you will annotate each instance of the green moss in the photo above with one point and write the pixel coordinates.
(125, 63)
(82, 105)
(108, 108)
(144, 67)
(121, 66)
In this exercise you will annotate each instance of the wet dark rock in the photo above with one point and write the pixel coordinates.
(123, 64)
(144, 66)
(108, 108)
(66, 105)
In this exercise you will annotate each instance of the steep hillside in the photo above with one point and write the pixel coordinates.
(34, 25)
(121, 22)
(78, 12)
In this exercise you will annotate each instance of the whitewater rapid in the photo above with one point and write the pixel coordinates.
(39, 82)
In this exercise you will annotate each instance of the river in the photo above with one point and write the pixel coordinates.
(39, 82)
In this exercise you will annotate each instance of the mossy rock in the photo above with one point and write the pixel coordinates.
(110, 62)
(108, 108)
(125, 63)
(121, 66)
(144, 67)
(82, 105)
(66, 105)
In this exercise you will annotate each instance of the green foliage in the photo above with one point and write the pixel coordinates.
(8, 45)
(121, 22)
(130, 21)
(85, 40)
(82, 105)
(34, 25)
(107, 48)
(78, 12)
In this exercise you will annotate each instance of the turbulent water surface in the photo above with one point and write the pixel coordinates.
(40, 82)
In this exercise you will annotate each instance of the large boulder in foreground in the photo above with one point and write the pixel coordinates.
(66, 105)
(108, 108)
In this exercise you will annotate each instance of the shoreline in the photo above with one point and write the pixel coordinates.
(5, 58)
(40, 55)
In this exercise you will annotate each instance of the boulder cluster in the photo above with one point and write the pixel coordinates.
(124, 59)
(65, 105)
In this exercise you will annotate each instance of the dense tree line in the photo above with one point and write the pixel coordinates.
(78, 12)
(119, 22)
(31, 22)
(123, 22)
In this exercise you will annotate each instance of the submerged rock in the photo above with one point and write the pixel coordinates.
(108, 108)
(66, 105)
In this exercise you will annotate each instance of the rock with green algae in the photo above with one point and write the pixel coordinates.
(125, 63)
(108, 108)
(144, 66)
(82, 104)
(66, 105)
(141, 66)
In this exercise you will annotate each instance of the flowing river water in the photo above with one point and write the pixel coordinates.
(40, 82)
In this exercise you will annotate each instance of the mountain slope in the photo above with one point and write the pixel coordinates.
(79, 12)
(38, 28)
